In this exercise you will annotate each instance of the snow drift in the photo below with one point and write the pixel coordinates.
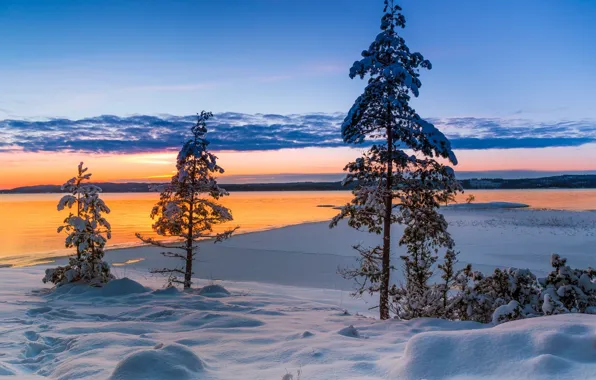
(262, 331)
(562, 346)
(163, 362)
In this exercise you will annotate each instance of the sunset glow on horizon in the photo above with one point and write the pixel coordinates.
(54, 168)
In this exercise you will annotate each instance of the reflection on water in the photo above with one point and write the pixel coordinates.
(554, 199)
(28, 222)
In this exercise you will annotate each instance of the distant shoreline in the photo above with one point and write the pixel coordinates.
(587, 181)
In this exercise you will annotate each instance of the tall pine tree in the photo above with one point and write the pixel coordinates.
(187, 207)
(392, 185)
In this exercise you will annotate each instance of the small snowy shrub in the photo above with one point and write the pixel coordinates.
(91, 270)
(567, 290)
(87, 231)
(510, 294)
(509, 312)
(505, 295)
(480, 296)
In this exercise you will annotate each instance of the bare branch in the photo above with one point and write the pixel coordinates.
(225, 235)
(157, 243)
(174, 254)
(166, 270)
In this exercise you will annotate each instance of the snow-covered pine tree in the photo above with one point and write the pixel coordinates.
(87, 231)
(187, 207)
(382, 114)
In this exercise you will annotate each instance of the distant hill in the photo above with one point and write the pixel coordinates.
(562, 181)
(109, 187)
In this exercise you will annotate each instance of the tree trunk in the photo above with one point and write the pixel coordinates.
(79, 215)
(384, 289)
(189, 244)
(188, 269)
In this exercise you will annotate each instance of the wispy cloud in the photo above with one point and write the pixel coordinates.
(175, 87)
(248, 132)
(272, 78)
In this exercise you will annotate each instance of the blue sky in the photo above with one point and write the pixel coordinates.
(513, 83)
(531, 59)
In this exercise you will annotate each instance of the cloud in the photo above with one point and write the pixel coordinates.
(248, 132)
(272, 78)
(175, 87)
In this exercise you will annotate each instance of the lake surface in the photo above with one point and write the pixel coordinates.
(28, 222)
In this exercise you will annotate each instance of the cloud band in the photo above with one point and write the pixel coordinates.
(249, 132)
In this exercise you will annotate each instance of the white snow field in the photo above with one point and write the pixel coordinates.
(281, 310)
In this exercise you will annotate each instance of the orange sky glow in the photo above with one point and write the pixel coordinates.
(19, 168)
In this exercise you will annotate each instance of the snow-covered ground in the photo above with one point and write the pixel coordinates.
(309, 254)
(126, 331)
(286, 313)
(487, 205)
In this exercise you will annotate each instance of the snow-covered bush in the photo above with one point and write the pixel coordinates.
(509, 312)
(510, 294)
(479, 296)
(87, 231)
(567, 290)
(91, 270)
(505, 295)
(187, 207)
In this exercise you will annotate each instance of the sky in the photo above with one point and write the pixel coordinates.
(115, 83)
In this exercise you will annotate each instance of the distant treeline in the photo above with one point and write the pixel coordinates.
(109, 187)
(563, 181)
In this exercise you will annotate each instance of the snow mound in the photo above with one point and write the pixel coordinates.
(5, 371)
(213, 291)
(168, 362)
(486, 205)
(169, 291)
(122, 287)
(219, 321)
(562, 346)
(350, 332)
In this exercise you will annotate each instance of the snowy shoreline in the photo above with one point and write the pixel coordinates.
(486, 238)
(287, 311)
